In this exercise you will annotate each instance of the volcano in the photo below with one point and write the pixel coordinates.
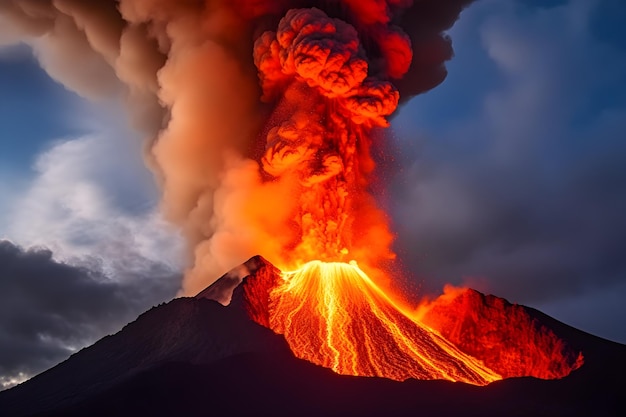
(218, 353)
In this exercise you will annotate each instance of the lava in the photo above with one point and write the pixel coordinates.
(334, 315)
(503, 335)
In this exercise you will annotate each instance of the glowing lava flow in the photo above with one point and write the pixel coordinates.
(334, 315)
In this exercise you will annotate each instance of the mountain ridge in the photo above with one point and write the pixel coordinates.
(194, 356)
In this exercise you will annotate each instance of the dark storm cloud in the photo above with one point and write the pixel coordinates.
(49, 309)
(527, 237)
(425, 23)
(524, 195)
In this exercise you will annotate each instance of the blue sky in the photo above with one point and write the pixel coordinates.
(511, 175)
(23, 84)
(27, 95)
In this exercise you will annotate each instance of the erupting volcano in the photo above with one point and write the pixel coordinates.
(266, 122)
(270, 111)
(327, 100)
(328, 86)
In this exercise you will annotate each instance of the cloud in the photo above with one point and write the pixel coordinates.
(10, 45)
(600, 309)
(8, 35)
(91, 200)
(521, 192)
(51, 309)
(100, 254)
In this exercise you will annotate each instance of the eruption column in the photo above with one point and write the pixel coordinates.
(315, 70)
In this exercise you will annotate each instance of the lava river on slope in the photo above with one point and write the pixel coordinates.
(334, 315)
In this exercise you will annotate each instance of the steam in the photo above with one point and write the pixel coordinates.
(222, 145)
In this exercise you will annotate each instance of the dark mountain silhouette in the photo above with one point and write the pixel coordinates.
(197, 357)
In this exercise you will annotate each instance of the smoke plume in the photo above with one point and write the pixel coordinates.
(258, 115)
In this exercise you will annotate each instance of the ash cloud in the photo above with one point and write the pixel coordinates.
(67, 32)
(187, 72)
(51, 309)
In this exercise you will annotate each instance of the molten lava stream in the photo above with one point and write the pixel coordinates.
(334, 315)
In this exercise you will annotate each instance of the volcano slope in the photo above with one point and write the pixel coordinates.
(198, 357)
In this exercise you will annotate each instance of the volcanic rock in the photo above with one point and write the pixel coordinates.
(196, 357)
(193, 331)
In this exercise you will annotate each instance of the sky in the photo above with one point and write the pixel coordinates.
(509, 177)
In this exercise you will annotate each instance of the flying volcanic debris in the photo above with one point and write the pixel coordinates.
(281, 166)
